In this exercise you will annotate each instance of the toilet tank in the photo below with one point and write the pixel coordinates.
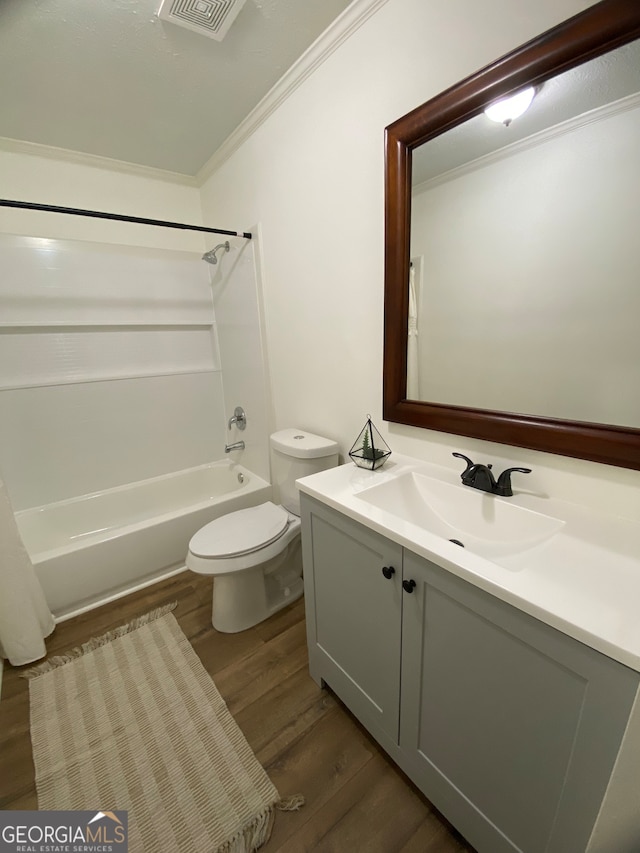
(296, 453)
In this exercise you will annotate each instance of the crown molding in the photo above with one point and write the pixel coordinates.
(79, 158)
(623, 105)
(353, 17)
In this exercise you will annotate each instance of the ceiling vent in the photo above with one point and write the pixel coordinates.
(210, 18)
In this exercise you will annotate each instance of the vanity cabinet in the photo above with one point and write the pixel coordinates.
(508, 726)
(356, 623)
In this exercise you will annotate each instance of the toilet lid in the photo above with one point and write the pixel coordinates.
(240, 532)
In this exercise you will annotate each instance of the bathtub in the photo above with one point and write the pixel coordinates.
(94, 548)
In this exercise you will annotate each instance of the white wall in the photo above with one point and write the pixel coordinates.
(312, 175)
(515, 313)
(43, 178)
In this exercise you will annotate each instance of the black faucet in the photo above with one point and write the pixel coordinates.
(481, 477)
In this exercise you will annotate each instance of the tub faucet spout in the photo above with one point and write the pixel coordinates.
(237, 445)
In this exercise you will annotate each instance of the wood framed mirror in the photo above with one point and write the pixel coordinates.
(608, 438)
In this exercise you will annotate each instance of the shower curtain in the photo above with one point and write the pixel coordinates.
(413, 383)
(25, 619)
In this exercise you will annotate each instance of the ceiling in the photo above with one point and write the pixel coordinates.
(109, 78)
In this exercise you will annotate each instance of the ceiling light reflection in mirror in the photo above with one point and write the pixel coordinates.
(507, 109)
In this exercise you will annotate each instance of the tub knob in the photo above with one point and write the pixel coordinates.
(239, 418)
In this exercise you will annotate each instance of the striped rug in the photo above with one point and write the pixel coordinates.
(133, 721)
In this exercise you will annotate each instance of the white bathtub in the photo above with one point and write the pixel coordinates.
(89, 550)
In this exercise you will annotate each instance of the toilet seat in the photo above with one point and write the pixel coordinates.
(242, 539)
(240, 532)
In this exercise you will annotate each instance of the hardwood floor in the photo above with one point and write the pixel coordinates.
(356, 798)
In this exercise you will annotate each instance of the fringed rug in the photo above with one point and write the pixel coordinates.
(133, 721)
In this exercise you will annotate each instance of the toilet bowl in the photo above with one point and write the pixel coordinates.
(255, 554)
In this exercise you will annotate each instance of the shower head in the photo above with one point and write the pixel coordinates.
(210, 256)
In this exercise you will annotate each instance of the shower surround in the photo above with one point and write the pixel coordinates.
(112, 396)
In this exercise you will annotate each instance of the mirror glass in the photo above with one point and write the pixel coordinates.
(525, 251)
(512, 249)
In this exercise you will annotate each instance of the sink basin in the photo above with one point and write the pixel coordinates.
(487, 525)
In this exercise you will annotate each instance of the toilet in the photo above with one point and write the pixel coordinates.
(255, 554)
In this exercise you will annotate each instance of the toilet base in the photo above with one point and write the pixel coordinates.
(245, 598)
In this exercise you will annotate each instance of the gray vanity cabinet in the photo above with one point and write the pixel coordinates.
(521, 719)
(354, 616)
(509, 727)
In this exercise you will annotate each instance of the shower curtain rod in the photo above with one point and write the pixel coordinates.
(95, 214)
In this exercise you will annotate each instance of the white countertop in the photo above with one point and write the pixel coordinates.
(584, 581)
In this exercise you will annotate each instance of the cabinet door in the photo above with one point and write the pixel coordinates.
(512, 728)
(353, 615)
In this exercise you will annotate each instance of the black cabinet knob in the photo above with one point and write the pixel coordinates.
(388, 572)
(408, 586)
